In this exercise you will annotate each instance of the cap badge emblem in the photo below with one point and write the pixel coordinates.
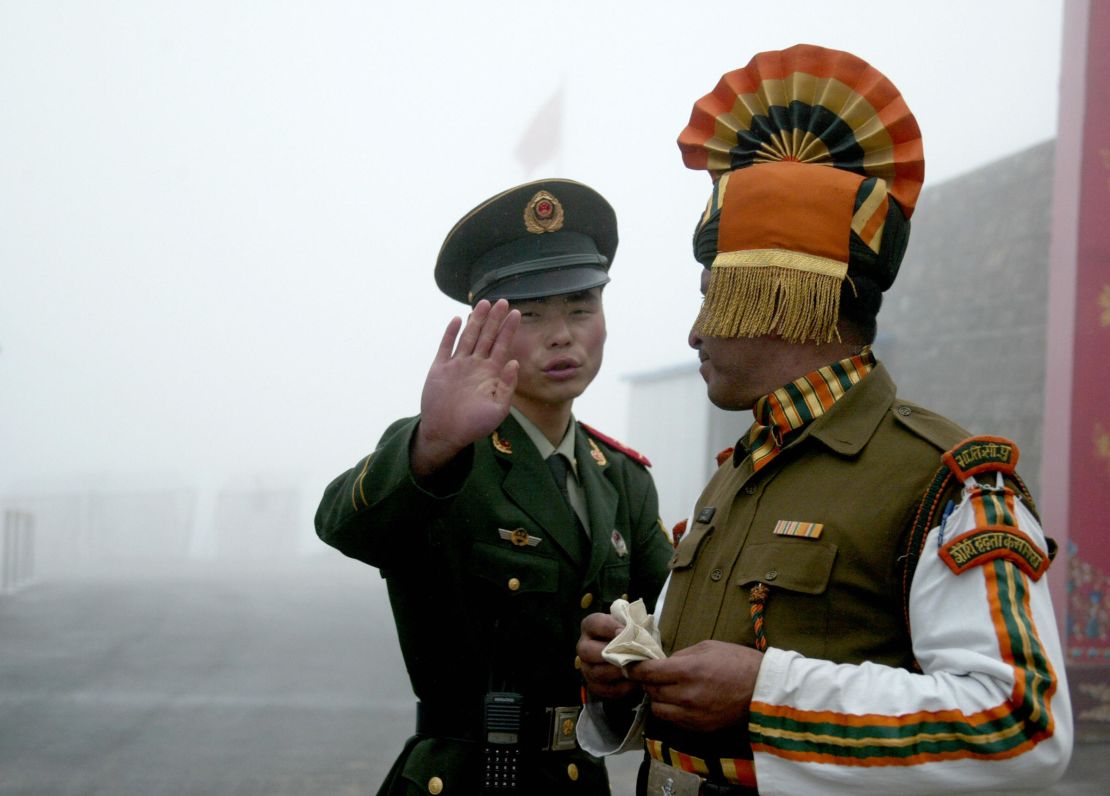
(543, 213)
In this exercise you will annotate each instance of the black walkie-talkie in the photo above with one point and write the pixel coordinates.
(502, 719)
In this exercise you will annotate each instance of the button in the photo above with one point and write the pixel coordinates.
(577, 662)
(587, 600)
(624, 596)
(771, 574)
(572, 772)
(435, 785)
(904, 411)
(749, 489)
(514, 584)
(716, 574)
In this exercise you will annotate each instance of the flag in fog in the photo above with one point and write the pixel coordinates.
(543, 139)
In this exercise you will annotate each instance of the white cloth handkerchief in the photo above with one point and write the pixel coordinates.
(638, 641)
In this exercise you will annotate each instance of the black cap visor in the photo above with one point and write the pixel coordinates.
(551, 265)
(572, 279)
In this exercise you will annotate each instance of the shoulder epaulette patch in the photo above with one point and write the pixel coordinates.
(617, 446)
(982, 454)
(724, 456)
(981, 545)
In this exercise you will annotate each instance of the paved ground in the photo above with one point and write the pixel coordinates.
(286, 682)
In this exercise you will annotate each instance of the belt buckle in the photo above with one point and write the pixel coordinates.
(563, 721)
(664, 780)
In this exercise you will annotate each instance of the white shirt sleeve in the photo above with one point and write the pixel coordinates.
(594, 733)
(990, 709)
(597, 737)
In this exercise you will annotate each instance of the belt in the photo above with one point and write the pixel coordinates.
(722, 776)
(548, 729)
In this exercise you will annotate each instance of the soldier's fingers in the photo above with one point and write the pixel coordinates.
(665, 711)
(669, 694)
(589, 650)
(652, 673)
(508, 376)
(491, 328)
(473, 328)
(602, 627)
(603, 672)
(447, 342)
(505, 334)
(621, 689)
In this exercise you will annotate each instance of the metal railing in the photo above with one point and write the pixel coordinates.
(17, 551)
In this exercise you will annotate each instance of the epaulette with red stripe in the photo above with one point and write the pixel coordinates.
(635, 456)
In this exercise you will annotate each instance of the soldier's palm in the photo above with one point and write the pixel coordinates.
(467, 397)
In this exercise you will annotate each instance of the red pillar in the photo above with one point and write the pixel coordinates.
(1075, 498)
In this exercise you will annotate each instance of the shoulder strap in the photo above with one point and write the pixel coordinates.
(635, 456)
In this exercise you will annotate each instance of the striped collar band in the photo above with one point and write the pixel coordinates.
(789, 409)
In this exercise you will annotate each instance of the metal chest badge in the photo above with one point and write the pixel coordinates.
(543, 213)
(595, 451)
(519, 537)
(501, 444)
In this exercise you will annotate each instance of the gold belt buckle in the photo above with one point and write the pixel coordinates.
(664, 780)
(564, 720)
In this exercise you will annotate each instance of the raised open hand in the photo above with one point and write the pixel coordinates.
(469, 386)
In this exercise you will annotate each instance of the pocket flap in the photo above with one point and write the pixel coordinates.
(516, 570)
(613, 581)
(447, 761)
(801, 565)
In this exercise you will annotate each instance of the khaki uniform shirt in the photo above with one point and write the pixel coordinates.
(858, 472)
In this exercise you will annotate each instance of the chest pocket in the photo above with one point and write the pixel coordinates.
(512, 572)
(798, 608)
(613, 581)
(795, 565)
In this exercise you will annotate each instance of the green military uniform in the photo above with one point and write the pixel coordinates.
(859, 471)
(490, 566)
(479, 609)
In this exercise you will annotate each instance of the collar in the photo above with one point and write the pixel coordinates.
(848, 427)
(781, 416)
(543, 444)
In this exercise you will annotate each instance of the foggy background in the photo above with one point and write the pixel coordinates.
(218, 224)
(218, 220)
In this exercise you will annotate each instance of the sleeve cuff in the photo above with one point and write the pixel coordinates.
(597, 737)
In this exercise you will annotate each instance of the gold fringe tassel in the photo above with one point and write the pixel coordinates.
(747, 300)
